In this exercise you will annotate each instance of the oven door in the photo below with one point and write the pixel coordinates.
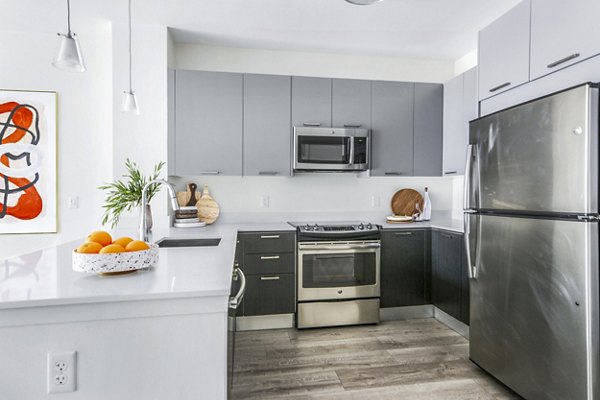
(338, 270)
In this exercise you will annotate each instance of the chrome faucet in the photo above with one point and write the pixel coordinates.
(174, 204)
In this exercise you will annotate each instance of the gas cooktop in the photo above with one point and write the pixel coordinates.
(335, 227)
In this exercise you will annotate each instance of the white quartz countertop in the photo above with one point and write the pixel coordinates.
(45, 277)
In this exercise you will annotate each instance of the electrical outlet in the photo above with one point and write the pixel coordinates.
(375, 201)
(62, 372)
(73, 202)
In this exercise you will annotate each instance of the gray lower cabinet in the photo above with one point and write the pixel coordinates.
(392, 128)
(351, 103)
(268, 260)
(208, 123)
(429, 114)
(405, 267)
(449, 283)
(311, 101)
(267, 134)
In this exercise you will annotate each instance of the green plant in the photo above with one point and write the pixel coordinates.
(125, 195)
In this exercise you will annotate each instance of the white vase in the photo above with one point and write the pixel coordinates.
(426, 206)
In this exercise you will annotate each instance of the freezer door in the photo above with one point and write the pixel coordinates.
(539, 157)
(534, 305)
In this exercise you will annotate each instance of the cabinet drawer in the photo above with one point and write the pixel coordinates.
(269, 294)
(269, 242)
(269, 263)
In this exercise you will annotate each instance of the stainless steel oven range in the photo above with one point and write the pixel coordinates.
(338, 274)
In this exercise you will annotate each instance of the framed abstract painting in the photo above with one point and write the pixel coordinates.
(28, 186)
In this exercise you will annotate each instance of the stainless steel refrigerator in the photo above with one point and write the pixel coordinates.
(531, 232)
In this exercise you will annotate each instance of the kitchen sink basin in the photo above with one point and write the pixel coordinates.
(180, 242)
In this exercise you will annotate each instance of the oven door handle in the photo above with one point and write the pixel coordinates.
(338, 247)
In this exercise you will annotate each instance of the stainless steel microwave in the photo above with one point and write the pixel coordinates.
(320, 149)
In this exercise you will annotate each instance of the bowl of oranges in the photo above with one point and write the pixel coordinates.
(100, 254)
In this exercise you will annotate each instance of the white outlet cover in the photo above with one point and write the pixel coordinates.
(62, 372)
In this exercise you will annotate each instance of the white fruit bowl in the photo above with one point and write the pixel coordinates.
(113, 263)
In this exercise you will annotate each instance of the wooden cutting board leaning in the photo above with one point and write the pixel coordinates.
(189, 197)
(208, 208)
(407, 202)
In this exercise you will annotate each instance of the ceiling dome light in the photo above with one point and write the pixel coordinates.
(363, 2)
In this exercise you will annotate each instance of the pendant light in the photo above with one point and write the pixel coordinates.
(129, 104)
(69, 56)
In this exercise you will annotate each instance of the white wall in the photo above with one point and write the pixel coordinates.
(280, 62)
(84, 123)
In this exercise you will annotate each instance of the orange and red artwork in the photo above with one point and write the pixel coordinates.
(27, 162)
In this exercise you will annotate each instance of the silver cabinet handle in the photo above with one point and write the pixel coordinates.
(268, 172)
(403, 233)
(269, 257)
(322, 247)
(269, 278)
(563, 60)
(311, 123)
(505, 84)
(352, 125)
(449, 172)
(269, 237)
(237, 299)
(209, 173)
(467, 186)
(394, 173)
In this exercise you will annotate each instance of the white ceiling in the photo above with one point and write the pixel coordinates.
(429, 29)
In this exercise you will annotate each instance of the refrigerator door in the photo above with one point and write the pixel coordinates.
(539, 157)
(534, 305)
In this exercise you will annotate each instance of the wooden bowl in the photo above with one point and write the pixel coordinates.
(113, 263)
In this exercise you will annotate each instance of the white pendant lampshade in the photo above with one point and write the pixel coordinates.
(69, 56)
(129, 103)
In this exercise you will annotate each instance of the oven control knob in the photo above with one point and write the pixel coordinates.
(340, 291)
(308, 227)
(369, 226)
(361, 227)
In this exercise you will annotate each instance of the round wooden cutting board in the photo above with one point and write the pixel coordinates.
(208, 209)
(404, 202)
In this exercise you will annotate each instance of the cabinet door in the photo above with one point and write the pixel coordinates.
(311, 101)
(269, 294)
(504, 52)
(208, 123)
(392, 129)
(351, 103)
(403, 280)
(267, 134)
(562, 33)
(428, 118)
(446, 272)
(454, 134)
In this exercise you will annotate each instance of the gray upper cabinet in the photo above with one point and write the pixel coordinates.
(428, 116)
(208, 123)
(392, 128)
(504, 52)
(311, 101)
(562, 33)
(267, 134)
(351, 103)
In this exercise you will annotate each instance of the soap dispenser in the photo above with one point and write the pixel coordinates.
(426, 216)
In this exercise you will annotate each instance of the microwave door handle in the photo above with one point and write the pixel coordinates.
(351, 151)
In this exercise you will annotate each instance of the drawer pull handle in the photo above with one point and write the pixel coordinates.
(269, 257)
(269, 173)
(269, 237)
(449, 173)
(403, 233)
(447, 236)
(352, 125)
(269, 278)
(393, 173)
(505, 84)
(209, 173)
(311, 124)
(563, 60)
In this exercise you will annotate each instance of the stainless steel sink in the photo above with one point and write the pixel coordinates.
(188, 242)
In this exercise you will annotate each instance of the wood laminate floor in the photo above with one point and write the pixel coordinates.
(415, 359)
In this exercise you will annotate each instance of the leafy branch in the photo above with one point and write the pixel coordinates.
(126, 195)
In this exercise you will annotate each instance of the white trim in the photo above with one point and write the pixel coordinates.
(451, 322)
(260, 322)
(409, 312)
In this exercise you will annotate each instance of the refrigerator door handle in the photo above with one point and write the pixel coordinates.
(467, 186)
(472, 269)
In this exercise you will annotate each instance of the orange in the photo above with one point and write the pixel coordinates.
(123, 241)
(137, 245)
(112, 248)
(90, 248)
(101, 237)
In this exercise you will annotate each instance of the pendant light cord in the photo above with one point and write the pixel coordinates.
(68, 18)
(130, 67)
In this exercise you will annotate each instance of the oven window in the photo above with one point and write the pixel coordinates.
(338, 270)
(323, 150)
